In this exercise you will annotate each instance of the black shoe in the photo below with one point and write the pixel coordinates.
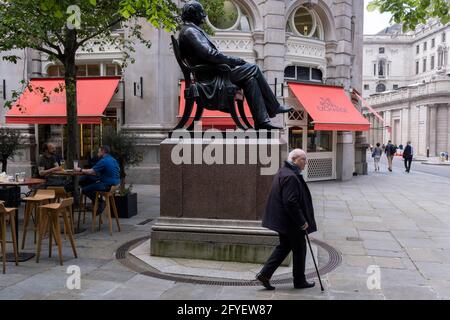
(284, 109)
(264, 281)
(390, 170)
(304, 285)
(267, 126)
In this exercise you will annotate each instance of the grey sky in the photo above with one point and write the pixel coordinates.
(374, 21)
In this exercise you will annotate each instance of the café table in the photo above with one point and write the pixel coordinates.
(15, 202)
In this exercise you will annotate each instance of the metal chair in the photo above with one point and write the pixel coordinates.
(191, 92)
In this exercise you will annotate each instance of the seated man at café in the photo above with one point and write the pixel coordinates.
(47, 165)
(107, 172)
(47, 161)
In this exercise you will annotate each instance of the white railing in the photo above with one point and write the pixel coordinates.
(305, 48)
(431, 88)
(235, 43)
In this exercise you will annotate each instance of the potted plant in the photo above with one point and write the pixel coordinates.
(124, 150)
(9, 146)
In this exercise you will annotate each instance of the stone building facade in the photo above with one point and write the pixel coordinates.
(307, 40)
(407, 81)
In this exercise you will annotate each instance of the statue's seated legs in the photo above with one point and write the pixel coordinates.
(261, 100)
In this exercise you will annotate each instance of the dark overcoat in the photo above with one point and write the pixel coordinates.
(290, 203)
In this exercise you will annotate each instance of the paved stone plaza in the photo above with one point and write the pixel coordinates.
(399, 222)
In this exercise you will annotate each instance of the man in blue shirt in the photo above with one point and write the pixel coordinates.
(107, 171)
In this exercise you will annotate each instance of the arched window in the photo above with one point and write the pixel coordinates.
(305, 22)
(232, 17)
(381, 87)
(303, 74)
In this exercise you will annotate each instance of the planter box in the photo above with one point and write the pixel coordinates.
(126, 205)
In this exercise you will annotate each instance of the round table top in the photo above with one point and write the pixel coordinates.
(67, 173)
(26, 182)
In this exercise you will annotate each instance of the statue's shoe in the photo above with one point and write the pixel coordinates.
(284, 109)
(267, 126)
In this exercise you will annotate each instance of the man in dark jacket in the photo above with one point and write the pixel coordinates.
(390, 150)
(197, 49)
(289, 212)
(408, 154)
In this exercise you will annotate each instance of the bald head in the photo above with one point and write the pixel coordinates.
(298, 158)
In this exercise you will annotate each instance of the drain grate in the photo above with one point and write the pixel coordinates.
(144, 222)
(133, 263)
(353, 239)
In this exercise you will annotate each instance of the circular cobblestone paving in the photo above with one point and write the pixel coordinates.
(332, 259)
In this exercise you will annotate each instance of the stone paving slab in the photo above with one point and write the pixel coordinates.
(372, 220)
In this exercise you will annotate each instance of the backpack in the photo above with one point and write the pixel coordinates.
(392, 149)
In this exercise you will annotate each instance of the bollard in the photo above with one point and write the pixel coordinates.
(428, 152)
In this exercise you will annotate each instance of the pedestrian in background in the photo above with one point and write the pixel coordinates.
(390, 153)
(408, 155)
(376, 155)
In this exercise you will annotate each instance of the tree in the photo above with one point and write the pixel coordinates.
(59, 28)
(124, 150)
(413, 12)
(9, 145)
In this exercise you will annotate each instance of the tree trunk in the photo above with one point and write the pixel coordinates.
(73, 149)
(71, 98)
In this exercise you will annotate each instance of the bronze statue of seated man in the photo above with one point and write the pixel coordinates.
(197, 49)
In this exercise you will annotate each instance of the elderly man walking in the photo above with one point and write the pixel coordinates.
(289, 212)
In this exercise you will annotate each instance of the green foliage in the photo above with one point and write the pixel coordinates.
(123, 149)
(9, 145)
(413, 12)
(61, 27)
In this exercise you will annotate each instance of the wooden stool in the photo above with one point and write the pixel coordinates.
(109, 203)
(42, 196)
(61, 193)
(48, 221)
(10, 212)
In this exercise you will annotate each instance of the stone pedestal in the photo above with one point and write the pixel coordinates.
(213, 196)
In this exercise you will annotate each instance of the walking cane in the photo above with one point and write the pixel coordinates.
(314, 259)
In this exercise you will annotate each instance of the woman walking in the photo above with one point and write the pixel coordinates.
(376, 155)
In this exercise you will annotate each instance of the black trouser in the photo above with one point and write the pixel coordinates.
(294, 241)
(408, 161)
(261, 100)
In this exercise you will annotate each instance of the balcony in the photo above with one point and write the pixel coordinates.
(435, 89)
(236, 43)
(305, 50)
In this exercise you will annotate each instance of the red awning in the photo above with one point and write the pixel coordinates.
(213, 118)
(329, 107)
(93, 96)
